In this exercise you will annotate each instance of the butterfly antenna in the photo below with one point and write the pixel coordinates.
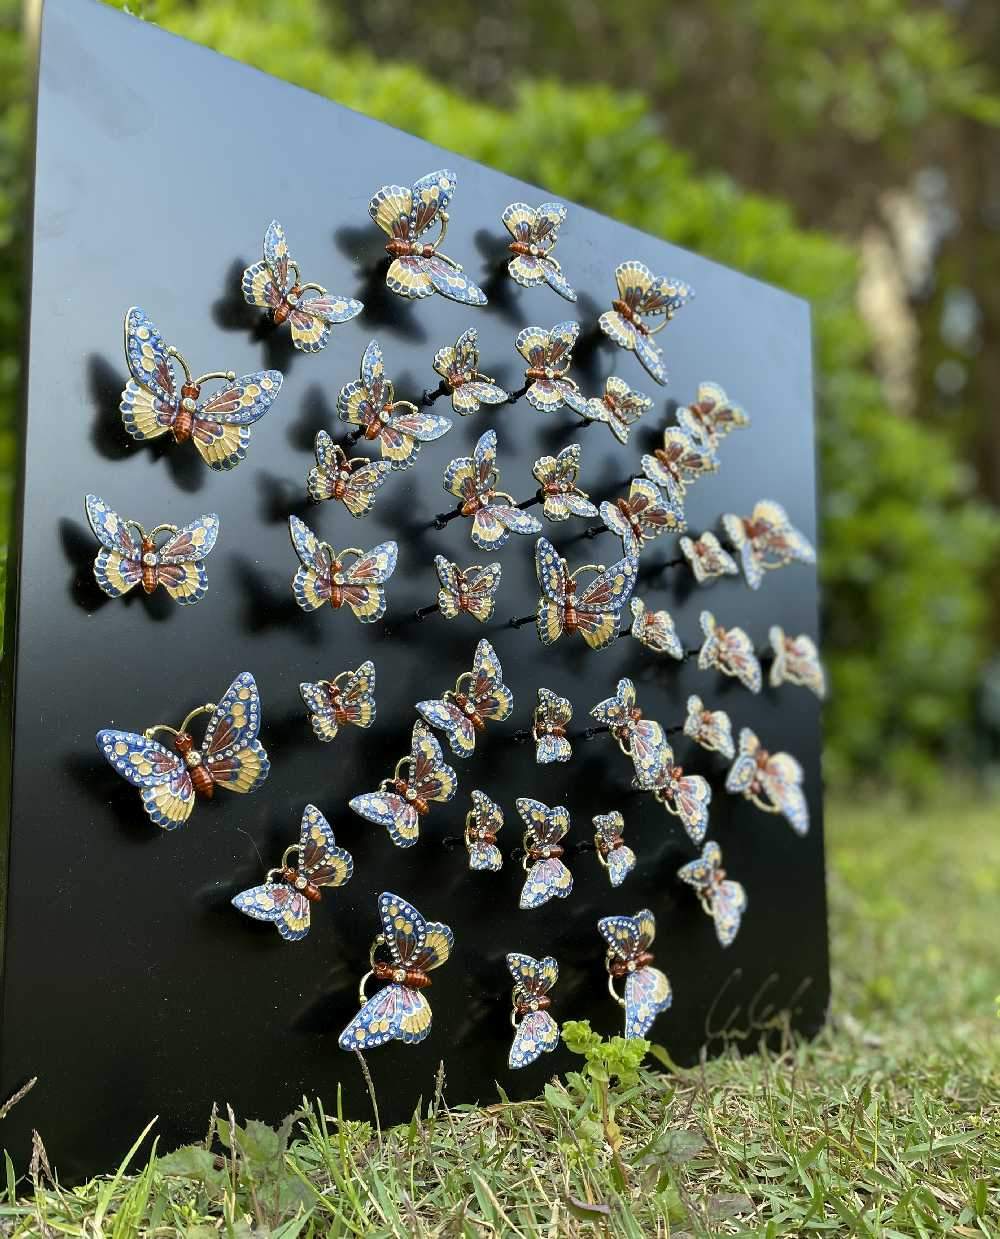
(587, 568)
(305, 288)
(228, 375)
(180, 359)
(207, 708)
(155, 530)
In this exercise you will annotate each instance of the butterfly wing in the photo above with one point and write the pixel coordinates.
(320, 860)
(741, 659)
(264, 283)
(395, 1013)
(391, 811)
(364, 579)
(161, 776)
(451, 281)
(118, 564)
(782, 780)
(480, 591)
(453, 722)
(545, 880)
(728, 903)
(493, 698)
(430, 776)
(700, 872)
(743, 771)
(322, 716)
(691, 802)
(312, 320)
(647, 995)
(357, 696)
(623, 934)
(403, 434)
(149, 401)
(313, 580)
(485, 857)
(620, 862)
(191, 543)
(550, 748)
(536, 1034)
(235, 757)
(284, 907)
(599, 607)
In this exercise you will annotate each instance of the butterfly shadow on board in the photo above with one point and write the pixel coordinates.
(80, 549)
(336, 1001)
(382, 308)
(270, 603)
(316, 413)
(116, 798)
(502, 292)
(588, 367)
(231, 312)
(279, 497)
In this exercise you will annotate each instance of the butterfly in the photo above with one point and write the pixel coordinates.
(153, 403)
(535, 1031)
(458, 365)
(483, 823)
(641, 295)
(274, 285)
(709, 728)
(535, 231)
(766, 540)
(678, 463)
(771, 781)
(730, 651)
(285, 896)
(325, 575)
(418, 268)
(401, 801)
(547, 876)
(549, 357)
(642, 517)
(655, 630)
(463, 711)
(596, 613)
(707, 558)
(724, 900)
(469, 591)
(332, 704)
(495, 514)
(686, 796)
(618, 859)
(712, 415)
(640, 738)
(552, 714)
(398, 425)
(796, 660)
(561, 497)
(351, 481)
(230, 756)
(129, 555)
(647, 990)
(400, 1012)
(619, 408)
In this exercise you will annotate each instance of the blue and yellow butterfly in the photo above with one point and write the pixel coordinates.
(548, 730)
(647, 990)
(547, 876)
(595, 613)
(771, 781)
(549, 355)
(556, 475)
(796, 660)
(712, 415)
(687, 796)
(707, 557)
(679, 462)
(402, 800)
(483, 823)
(766, 540)
(458, 365)
(349, 698)
(469, 591)
(643, 516)
(619, 408)
(479, 695)
(535, 231)
(325, 575)
(535, 1031)
(612, 852)
(642, 739)
(730, 651)
(655, 630)
(495, 514)
(351, 481)
(642, 295)
(724, 900)
(711, 729)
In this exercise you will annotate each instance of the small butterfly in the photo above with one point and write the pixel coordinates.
(332, 704)
(647, 990)
(678, 463)
(549, 357)
(351, 481)
(129, 555)
(640, 738)
(535, 231)
(619, 408)
(707, 558)
(458, 365)
(771, 781)
(643, 516)
(724, 900)
(709, 728)
(548, 730)
(796, 660)
(400, 1012)
(469, 591)
(561, 497)
(655, 630)
(230, 756)
(464, 711)
(324, 576)
(730, 651)
(712, 415)
(404, 799)
(766, 540)
(596, 613)
(419, 269)
(398, 425)
(153, 402)
(274, 285)
(495, 514)
(535, 1031)
(547, 876)
(618, 859)
(285, 896)
(640, 295)
(686, 796)
(483, 823)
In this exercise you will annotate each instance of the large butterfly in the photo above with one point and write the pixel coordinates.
(350, 480)
(398, 425)
(549, 357)
(478, 695)
(458, 365)
(535, 231)
(771, 781)
(712, 415)
(551, 718)
(796, 659)
(707, 558)
(686, 796)
(284, 897)
(483, 823)
(402, 800)
(400, 1012)
(347, 699)
(642, 295)
(619, 408)
(129, 555)
(230, 756)
(647, 990)
(709, 728)
(535, 1031)
(655, 630)
(643, 516)
(640, 738)
(595, 613)
(468, 591)
(724, 900)
(153, 402)
(730, 651)
(275, 285)
(678, 463)
(766, 540)
(495, 514)
(326, 575)
(561, 497)
(618, 859)
(547, 876)
(418, 268)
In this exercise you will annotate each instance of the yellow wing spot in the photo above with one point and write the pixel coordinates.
(266, 384)
(121, 749)
(244, 694)
(143, 333)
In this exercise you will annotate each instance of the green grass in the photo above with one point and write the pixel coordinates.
(888, 1124)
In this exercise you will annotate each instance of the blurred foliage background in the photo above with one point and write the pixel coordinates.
(850, 153)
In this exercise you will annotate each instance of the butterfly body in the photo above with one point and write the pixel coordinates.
(474, 481)
(352, 481)
(332, 704)
(551, 717)
(647, 990)
(642, 296)
(535, 231)
(549, 355)
(420, 778)
(479, 695)
(642, 516)
(458, 365)
(467, 591)
(595, 612)
(483, 823)
(619, 408)
(536, 1032)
